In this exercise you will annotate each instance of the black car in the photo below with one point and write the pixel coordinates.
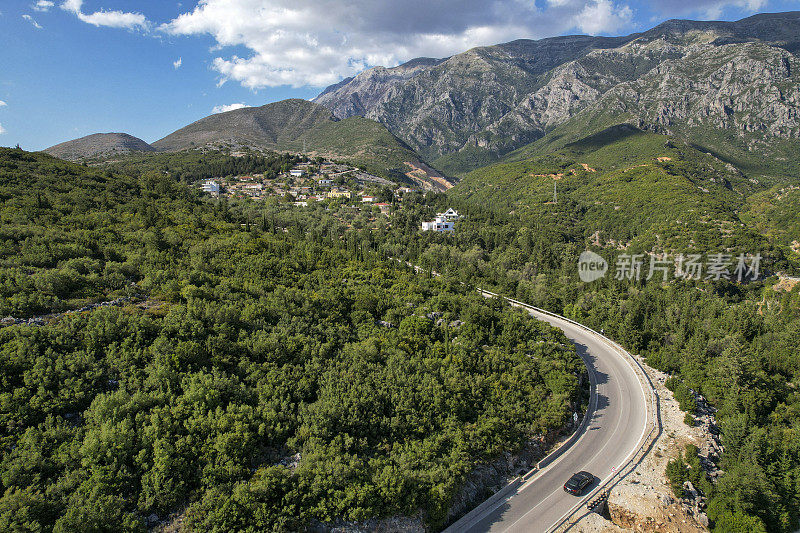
(578, 482)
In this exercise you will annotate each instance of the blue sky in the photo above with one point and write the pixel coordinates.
(71, 68)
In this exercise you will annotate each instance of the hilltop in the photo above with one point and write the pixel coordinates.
(99, 145)
(301, 126)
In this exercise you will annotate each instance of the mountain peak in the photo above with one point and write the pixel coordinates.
(99, 145)
(268, 125)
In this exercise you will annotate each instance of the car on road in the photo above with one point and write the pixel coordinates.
(578, 483)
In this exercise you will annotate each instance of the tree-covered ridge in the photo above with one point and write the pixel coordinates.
(775, 213)
(625, 186)
(190, 166)
(298, 125)
(254, 346)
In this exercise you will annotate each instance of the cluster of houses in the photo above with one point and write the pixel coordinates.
(443, 223)
(305, 184)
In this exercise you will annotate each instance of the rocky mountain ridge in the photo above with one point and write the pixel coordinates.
(736, 78)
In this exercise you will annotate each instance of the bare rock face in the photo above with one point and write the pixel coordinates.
(672, 520)
(737, 77)
(369, 88)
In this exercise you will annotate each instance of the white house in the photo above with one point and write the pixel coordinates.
(450, 215)
(297, 172)
(439, 224)
(211, 187)
(444, 222)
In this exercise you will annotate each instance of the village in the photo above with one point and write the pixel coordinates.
(311, 182)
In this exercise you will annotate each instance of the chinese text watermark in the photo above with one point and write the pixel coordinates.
(713, 266)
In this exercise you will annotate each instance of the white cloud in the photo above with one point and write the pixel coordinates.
(317, 42)
(2, 129)
(709, 9)
(3, 104)
(110, 19)
(30, 19)
(177, 63)
(229, 107)
(43, 5)
(602, 16)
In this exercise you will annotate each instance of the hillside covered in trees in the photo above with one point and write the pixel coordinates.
(269, 378)
(732, 341)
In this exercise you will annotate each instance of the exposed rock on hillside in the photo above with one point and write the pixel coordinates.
(736, 77)
(643, 501)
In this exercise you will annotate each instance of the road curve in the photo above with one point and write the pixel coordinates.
(617, 424)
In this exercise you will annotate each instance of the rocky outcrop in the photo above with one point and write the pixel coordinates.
(45, 319)
(643, 500)
(394, 524)
(370, 88)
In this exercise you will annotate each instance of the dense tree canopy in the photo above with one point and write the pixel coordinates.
(252, 344)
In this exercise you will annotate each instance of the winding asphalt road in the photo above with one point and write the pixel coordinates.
(617, 424)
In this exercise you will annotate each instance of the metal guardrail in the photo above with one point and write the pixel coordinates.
(570, 518)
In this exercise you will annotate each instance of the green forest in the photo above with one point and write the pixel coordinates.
(262, 377)
(735, 343)
(258, 331)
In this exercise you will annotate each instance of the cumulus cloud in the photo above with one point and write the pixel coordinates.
(2, 103)
(317, 42)
(32, 21)
(110, 19)
(177, 63)
(603, 16)
(229, 107)
(43, 5)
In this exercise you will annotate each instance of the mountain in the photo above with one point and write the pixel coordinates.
(269, 125)
(301, 126)
(290, 125)
(734, 86)
(99, 145)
